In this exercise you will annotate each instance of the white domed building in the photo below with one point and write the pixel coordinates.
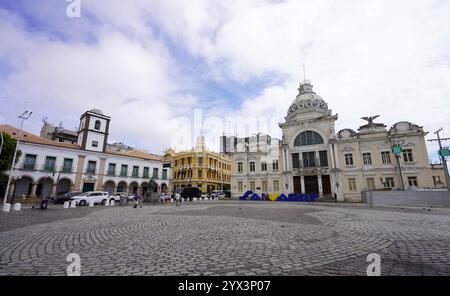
(312, 158)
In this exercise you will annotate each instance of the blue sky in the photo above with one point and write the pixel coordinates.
(149, 64)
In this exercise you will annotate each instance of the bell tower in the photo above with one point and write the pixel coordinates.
(93, 131)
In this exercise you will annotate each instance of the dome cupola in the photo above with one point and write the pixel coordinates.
(307, 101)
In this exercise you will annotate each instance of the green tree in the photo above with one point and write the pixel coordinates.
(7, 153)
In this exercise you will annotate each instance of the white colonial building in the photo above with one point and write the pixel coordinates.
(48, 168)
(312, 158)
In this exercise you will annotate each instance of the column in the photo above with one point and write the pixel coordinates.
(11, 189)
(302, 179)
(33, 189)
(79, 172)
(319, 180)
(53, 190)
(101, 172)
(339, 193)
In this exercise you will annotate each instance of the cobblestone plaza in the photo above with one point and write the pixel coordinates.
(226, 238)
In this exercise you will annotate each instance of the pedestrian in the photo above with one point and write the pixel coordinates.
(161, 198)
(139, 199)
(135, 199)
(178, 199)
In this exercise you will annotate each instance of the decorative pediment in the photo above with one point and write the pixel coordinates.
(89, 179)
(348, 148)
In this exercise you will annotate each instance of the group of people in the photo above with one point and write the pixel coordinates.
(166, 197)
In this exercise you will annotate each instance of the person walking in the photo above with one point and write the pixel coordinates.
(178, 199)
(161, 198)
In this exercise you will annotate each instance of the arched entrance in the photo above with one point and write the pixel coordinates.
(144, 188)
(44, 187)
(134, 186)
(164, 188)
(110, 186)
(23, 186)
(122, 187)
(63, 186)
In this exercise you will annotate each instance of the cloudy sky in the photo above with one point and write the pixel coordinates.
(158, 67)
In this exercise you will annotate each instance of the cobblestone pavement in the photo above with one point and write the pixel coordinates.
(227, 238)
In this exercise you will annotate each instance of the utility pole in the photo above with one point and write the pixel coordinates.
(442, 155)
(25, 115)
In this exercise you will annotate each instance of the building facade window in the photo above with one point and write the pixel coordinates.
(94, 143)
(200, 174)
(264, 186)
(367, 158)
(352, 184)
(67, 165)
(275, 165)
(276, 185)
(348, 159)
(370, 183)
(30, 162)
(239, 165)
(164, 174)
(146, 173)
(386, 157)
(308, 138)
(408, 155)
(323, 157)
(412, 181)
(309, 159)
(437, 181)
(135, 171)
(263, 166)
(155, 173)
(240, 187)
(97, 125)
(124, 170)
(252, 166)
(111, 169)
(200, 161)
(252, 186)
(91, 167)
(389, 182)
(295, 160)
(49, 163)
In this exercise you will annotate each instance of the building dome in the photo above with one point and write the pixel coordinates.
(97, 111)
(307, 100)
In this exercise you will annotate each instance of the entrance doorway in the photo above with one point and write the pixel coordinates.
(297, 185)
(88, 187)
(326, 185)
(311, 185)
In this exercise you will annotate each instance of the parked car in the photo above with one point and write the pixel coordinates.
(99, 197)
(219, 194)
(191, 192)
(60, 199)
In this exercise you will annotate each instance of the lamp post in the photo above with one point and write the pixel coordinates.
(25, 115)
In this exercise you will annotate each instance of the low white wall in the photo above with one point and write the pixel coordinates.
(408, 198)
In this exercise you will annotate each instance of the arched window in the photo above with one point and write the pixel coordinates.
(308, 138)
(97, 124)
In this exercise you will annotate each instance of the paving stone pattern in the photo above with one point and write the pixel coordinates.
(226, 238)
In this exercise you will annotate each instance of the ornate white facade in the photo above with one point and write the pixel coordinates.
(314, 159)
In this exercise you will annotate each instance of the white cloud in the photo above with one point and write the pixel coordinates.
(363, 57)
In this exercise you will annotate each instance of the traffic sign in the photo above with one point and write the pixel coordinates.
(396, 149)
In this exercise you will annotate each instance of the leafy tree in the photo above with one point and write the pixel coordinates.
(7, 153)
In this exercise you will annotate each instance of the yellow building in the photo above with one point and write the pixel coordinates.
(200, 168)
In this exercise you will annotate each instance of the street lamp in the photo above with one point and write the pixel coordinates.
(25, 115)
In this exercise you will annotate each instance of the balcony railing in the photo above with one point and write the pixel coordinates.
(67, 170)
(123, 174)
(111, 173)
(145, 175)
(90, 171)
(29, 166)
(135, 174)
(48, 168)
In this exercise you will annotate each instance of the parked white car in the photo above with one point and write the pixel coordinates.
(99, 197)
